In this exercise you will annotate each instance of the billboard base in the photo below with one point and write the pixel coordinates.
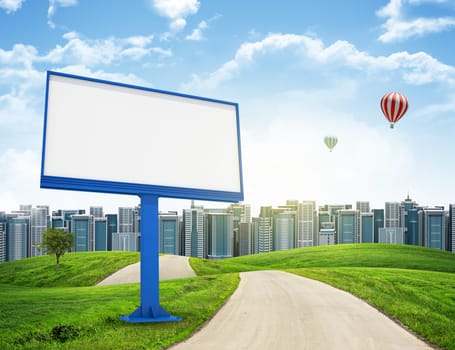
(152, 316)
(150, 309)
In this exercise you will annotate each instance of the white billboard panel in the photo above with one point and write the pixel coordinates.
(111, 137)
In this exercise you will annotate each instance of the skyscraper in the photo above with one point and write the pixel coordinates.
(451, 233)
(2, 240)
(219, 235)
(306, 224)
(347, 226)
(125, 220)
(96, 212)
(284, 230)
(82, 228)
(193, 221)
(366, 227)
(409, 221)
(38, 224)
(265, 230)
(432, 226)
(392, 214)
(18, 237)
(111, 228)
(100, 233)
(169, 231)
(245, 238)
(378, 222)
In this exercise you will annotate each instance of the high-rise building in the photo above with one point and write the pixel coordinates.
(392, 214)
(451, 229)
(393, 235)
(111, 228)
(38, 225)
(283, 230)
(219, 235)
(96, 212)
(255, 235)
(306, 224)
(265, 230)
(409, 221)
(125, 220)
(2, 240)
(100, 233)
(362, 206)
(245, 238)
(378, 222)
(193, 225)
(432, 227)
(82, 228)
(367, 227)
(125, 241)
(169, 232)
(18, 237)
(347, 226)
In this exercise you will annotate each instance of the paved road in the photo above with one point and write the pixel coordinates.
(274, 310)
(171, 267)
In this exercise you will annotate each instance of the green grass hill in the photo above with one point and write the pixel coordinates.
(45, 308)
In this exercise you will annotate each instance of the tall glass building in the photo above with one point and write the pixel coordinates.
(347, 226)
(409, 221)
(38, 224)
(392, 214)
(219, 235)
(378, 222)
(100, 233)
(169, 232)
(193, 225)
(451, 229)
(265, 230)
(306, 218)
(367, 227)
(432, 226)
(18, 237)
(82, 228)
(111, 228)
(283, 230)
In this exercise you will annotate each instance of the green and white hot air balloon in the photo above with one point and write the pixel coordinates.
(330, 142)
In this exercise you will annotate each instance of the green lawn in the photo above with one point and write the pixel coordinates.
(415, 285)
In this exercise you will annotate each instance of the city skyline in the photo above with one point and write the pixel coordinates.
(299, 71)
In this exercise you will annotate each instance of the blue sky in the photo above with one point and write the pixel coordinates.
(299, 70)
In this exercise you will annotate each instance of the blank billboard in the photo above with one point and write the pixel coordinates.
(111, 137)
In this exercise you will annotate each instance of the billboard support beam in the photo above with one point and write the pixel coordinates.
(150, 309)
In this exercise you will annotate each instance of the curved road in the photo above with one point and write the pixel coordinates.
(274, 310)
(171, 267)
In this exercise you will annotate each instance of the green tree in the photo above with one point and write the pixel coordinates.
(57, 242)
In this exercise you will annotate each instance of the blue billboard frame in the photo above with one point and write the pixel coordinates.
(149, 309)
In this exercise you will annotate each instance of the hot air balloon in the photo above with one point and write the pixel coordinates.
(330, 142)
(394, 105)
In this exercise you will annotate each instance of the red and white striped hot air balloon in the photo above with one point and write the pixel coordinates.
(394, 105)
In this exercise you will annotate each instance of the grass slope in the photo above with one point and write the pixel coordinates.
(342, 255)
(413, 284)
(76, 269)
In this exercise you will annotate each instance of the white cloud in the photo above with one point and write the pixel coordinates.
(176, 11)
(396, 28)
(101, 51)
(53, 5)
(11, 5)
(196, 34)
(417, 68)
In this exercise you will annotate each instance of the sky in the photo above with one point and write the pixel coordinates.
(299, 71)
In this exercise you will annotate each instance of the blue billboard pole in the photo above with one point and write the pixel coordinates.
(150, 309)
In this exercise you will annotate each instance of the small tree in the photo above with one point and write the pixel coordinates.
(57, 242)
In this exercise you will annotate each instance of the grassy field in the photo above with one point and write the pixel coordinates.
(412, 284)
